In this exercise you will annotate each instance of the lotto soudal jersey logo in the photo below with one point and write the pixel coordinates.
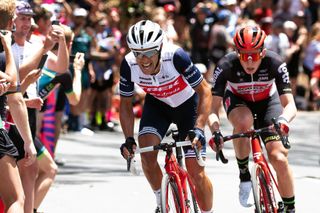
(165, 90)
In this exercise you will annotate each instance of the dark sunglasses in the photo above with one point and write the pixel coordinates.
(148, 53)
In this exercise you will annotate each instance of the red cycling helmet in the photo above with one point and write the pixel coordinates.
(249, 38)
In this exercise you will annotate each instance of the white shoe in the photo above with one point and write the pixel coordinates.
(244, 193)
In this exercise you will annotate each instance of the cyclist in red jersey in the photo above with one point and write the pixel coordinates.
(255, 81)
(176, 93)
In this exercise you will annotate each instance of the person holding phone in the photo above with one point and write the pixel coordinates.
(11, 189)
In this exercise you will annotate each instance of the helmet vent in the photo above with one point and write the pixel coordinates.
(149, 36)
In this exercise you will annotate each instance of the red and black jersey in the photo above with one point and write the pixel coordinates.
(271, 76)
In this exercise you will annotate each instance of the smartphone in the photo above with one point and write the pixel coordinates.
(71, 58)
(42, 61)
(55, 22)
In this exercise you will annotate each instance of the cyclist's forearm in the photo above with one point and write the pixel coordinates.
(203, 112)
(289, 108)
(213, 119)
(205, 98)
(127, 119)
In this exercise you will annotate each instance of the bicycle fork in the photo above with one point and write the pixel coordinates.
(176, 175)
(259, 159)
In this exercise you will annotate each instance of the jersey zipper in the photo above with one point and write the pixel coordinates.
(252, 88)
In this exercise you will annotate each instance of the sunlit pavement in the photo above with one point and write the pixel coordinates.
(94, 178)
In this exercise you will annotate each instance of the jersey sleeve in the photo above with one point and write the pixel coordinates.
(65, 80)
(218, 79)
(184, 65)
(282, 78)
(126, 85)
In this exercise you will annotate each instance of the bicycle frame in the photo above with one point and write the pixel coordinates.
(176, 178)
(259, 159)
(261, 176)
(180, 176)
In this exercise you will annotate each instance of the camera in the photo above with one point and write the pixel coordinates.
(3, 32)
(71, 58)
(55, 22)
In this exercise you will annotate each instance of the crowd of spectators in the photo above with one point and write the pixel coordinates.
(93, 33)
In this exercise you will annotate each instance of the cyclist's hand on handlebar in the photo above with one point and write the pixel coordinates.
(216, 140)
(283, 124)
(197, 137)
(128, 148)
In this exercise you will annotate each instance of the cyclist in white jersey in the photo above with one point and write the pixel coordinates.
(175, 88)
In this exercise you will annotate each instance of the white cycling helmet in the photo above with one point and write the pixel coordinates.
(145, 34)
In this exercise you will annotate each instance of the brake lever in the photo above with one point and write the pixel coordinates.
(219, 153)
(284, 139)
(129, 163)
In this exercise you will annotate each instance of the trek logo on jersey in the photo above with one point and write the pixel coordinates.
(191, 72)
(284, 71)
(165, 90)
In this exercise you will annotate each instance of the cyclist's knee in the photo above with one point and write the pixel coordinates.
(196, 175)
(149, 159)
(278, 160)
(241, 118)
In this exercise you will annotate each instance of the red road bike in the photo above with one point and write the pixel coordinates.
(177, 190)
(264, 185)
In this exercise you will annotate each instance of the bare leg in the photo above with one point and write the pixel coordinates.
(11, 190)
(202, 184)
(47, 172)
(28, 175)
(149, 161)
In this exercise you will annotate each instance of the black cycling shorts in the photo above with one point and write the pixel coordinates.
(16, 137)
(6, 145)
(265, 111)
(157, 116)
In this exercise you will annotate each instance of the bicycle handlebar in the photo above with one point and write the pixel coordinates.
(165, 146)
(250, 133)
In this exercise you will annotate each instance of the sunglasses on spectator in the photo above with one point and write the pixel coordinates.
(148, 53)
(250, 56)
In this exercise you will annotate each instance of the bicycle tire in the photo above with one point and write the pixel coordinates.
(264, 198)
(170, 198)
(191, 203)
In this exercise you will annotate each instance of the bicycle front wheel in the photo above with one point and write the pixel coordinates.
(191, 201)
(263, 193)
(170, 198)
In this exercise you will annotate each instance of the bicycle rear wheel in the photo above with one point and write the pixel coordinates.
(191, 202)
(170, 198)
(263, 193)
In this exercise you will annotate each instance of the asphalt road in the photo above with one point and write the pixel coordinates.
(94, 178)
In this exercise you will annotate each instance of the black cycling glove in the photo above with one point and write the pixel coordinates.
(130, 142)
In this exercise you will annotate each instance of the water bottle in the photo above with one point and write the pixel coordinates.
(134, 167)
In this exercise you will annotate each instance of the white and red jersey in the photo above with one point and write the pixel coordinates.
(173, 84)
(272, 76)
